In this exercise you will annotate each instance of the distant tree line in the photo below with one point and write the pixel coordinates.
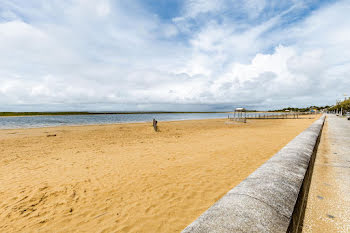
(345, 105)
(307, 109)
(40, 113)
(3, 114)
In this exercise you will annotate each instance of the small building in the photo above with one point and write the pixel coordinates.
(239, 110)
(240, 115)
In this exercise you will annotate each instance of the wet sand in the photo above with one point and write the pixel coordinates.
(126, 177)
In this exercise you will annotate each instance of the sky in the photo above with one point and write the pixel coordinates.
(172, 55)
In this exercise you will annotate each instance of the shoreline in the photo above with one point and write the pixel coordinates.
(117, 113)
(136, 122)
(110, 124)
(34, 114)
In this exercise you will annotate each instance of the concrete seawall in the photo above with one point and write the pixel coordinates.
(271, 199)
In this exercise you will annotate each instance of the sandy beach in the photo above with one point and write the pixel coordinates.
(126, 177)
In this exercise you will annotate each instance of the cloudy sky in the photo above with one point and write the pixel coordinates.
(172, 54)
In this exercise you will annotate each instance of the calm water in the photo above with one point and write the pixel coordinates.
(49, 121)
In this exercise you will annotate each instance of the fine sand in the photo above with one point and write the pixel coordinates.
(126, 177)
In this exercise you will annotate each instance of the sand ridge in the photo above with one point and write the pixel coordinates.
(126, 177)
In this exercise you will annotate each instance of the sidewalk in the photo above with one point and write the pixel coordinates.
(328, 206)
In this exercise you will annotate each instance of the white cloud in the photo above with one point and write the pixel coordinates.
(106, 53)
(254, 7)
(193, 8)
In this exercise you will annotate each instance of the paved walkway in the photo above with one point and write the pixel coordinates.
(328, 206)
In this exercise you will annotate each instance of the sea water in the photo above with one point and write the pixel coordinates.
(59, 120)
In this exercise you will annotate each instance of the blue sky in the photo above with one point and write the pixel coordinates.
(172, 55)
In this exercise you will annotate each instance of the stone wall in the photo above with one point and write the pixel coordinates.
(266, 200)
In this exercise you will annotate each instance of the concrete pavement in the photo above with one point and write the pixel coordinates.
(328, 205)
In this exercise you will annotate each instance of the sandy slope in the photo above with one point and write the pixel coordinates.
(127, 178)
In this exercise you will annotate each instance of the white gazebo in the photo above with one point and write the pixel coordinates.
(239, 114)
(239, 110)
